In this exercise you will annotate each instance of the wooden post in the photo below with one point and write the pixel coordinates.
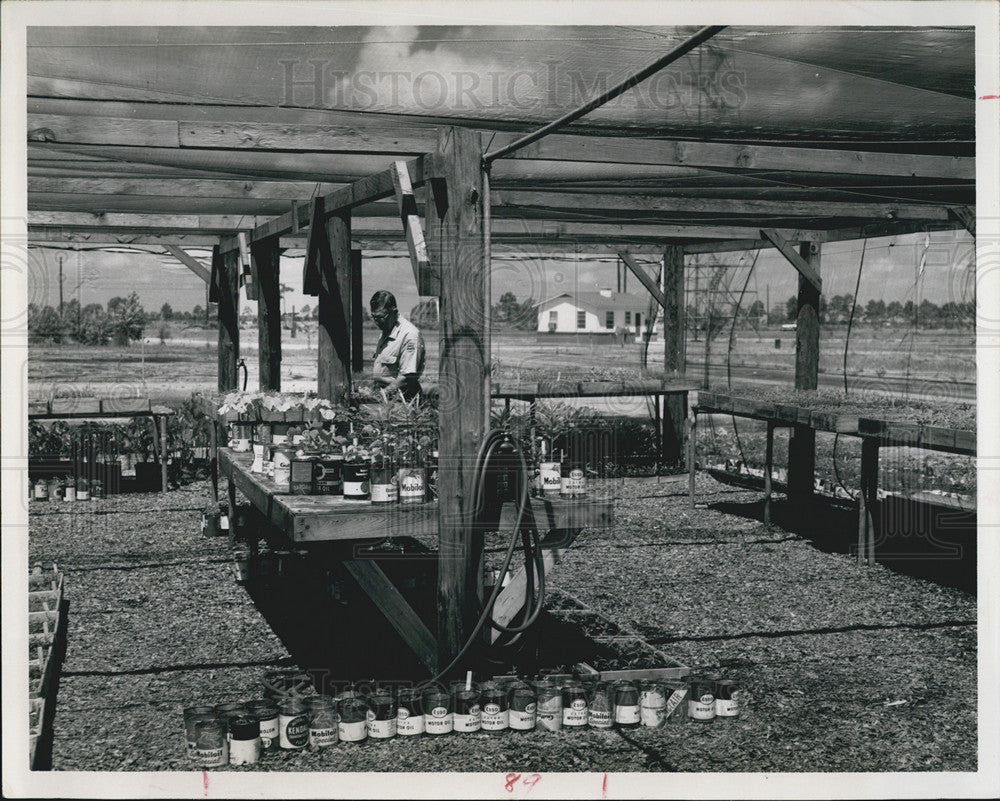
(461, 264)
(867, 499)
(333, 334)
(163, 452)
(266, 257)
(768, 465)
(674, 353)
(807, 323)
(357, 315)
(229, 329)
(802, 444)
(692, 441)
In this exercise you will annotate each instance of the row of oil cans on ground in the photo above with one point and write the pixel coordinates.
(292, 716)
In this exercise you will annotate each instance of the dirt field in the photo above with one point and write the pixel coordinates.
(186, 362)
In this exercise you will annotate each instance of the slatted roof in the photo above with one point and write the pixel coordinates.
(182, 134)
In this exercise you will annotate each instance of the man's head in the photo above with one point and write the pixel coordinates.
(383, 310)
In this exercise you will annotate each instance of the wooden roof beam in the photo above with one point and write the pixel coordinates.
(367, 190)
(396, 136)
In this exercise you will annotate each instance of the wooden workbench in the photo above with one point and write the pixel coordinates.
(874, 434)
(313, 519)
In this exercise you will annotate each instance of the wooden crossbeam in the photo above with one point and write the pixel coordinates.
(612, 203)
(407, 204)
(375, 187)
(800, 264)
(644, 277)
(570, 199)
(401, 136)
(190, 262)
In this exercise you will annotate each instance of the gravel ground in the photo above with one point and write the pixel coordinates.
(848, 668)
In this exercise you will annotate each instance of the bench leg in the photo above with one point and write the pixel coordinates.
(691, 437)
(163, 452)
(866, 501)
(768, 465)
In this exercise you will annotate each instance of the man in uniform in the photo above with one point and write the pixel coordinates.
(399, 355)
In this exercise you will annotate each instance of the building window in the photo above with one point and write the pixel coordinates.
(581, 319)
(553, 317)
(638, 321)
(609, 320)
(628, 318)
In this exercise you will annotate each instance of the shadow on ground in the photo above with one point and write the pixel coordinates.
(917, 539)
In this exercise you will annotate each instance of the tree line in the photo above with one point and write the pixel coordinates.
(121, 321)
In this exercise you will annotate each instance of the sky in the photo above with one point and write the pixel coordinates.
(892, 267)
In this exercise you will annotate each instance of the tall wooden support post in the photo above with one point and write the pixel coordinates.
(228, 277)
(266, 257)
(802, 445)
(357, 316)
(458, 252)
(334, 332)
(674, 405)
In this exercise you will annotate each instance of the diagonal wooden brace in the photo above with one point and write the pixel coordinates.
(397, 611)
(407, 203)
(800, 264)
(965, 215)
(645, 278)
(190, 262)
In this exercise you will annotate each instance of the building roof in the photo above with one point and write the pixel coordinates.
(619, 301)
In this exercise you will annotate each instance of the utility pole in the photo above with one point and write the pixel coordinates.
(61, 256)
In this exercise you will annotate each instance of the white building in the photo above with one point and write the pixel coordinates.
(593, 313)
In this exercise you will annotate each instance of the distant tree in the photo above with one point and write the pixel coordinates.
(128, 320)
(840, 308)
(306, 312)
(44, 322)
(875, 310)
(894, 311)
(166, 313)
(792, 309)
(197, 313)
(507, 307)
(929, 313)
(94, 327)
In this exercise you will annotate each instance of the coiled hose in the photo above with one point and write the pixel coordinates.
(533, 562)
